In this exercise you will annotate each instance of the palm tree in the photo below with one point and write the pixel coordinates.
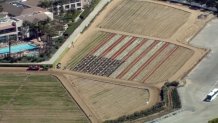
(9, 46)
(1, 8)
(216, 6)
(211, 3)
(189, 1)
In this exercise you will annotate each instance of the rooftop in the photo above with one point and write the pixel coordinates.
(34, 17)
(32, 2)
(19, 8)
(6, 22)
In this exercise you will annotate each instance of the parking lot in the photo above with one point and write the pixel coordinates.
(200, 82)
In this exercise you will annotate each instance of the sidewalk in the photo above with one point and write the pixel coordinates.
(73, 37)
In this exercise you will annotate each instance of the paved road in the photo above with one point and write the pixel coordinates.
(200, 81)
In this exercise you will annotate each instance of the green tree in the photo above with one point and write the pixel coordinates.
(45, 4)
(189, 1)
(211, 3)
(1, 8)
(213, 121)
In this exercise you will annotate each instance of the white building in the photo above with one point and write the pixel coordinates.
(65, 5)
(26, 12)
(10, 29)
(15, 13)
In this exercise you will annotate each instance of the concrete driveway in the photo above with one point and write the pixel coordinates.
(200, 81)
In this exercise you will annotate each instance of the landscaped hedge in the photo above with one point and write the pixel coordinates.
(213, 121)
(155, 109)
(176, 99)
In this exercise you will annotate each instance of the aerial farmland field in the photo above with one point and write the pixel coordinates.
(145, 18)
(131, 58)
(131, 45)
(36, 99)
(110, 101)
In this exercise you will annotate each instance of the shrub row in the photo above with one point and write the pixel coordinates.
(175, 99)
(213, 121)
(156, 108)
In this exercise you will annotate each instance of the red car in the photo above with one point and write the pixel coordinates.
(34, 67)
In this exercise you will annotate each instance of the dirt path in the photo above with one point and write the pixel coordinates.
(89, 113)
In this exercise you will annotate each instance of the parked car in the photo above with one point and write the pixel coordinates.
(34, 68)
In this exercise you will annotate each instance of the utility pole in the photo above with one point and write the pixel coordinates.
(9, 44)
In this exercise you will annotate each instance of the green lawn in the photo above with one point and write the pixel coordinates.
(36, 99)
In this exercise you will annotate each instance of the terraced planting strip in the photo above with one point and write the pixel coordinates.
(145, 18)
(102, 43)
(116, 16)
(136, 49)
(154, 63)
(143, 60)
(112, 46)
(99, 37)
(162, 56)
(82, 64)
(171, 65)
(98, 65)
(88, 62)
(106, 67)
(126, 25)
(133, 54)
(158, 65)
(106, 45)
(92, 64)
(137, 59)
(117, 53)
(132, 13)
(109, 17)
(111, 67)
(117, 47)
(150, 60)
(138, 42)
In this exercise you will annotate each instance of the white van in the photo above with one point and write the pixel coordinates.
(212, 95)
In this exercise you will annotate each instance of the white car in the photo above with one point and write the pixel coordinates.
(212, 95)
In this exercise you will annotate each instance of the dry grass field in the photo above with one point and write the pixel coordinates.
(131, 58)
(36, 99)
(109, 101)
(145, 18)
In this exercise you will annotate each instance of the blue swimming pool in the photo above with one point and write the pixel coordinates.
(18, 48)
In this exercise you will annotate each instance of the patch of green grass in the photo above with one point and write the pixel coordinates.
(70, 16)
(11, 77)
(72, 27)
(42, 78)
(38, 99)
(89, 9)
